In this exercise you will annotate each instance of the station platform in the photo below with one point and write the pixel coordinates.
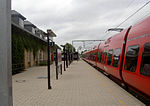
(79, 85)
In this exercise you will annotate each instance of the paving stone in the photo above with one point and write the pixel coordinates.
(80, 85)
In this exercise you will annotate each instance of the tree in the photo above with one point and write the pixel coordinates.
(69, 47)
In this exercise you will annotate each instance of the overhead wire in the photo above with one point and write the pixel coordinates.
(108, 32)
(130, 3)
(131, 14)
(143, 17)
(134, 13)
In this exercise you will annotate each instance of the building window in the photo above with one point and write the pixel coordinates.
(131, 58)
(109, 58)
(40, 35)
(116, 57)
(145, 62)
(33, 30)
(21, 22)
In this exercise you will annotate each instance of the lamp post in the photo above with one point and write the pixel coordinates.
(67, 58)
(48, 62)
(64, 55)
(49, 34)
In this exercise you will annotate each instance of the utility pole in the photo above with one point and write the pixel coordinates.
(83, 41)
(5, 54)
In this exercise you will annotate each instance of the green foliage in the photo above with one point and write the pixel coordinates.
(17, 55)
(20, 41)
(69, 47)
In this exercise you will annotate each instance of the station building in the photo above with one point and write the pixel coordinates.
(29, 44)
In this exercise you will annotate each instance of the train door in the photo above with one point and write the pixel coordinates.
(136, 68)
(130, 64)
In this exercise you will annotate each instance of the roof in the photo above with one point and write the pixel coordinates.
(15, 13)
(28, 23)
(39, 31)
(27, 31)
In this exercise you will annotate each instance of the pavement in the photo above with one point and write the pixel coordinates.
(79, 85)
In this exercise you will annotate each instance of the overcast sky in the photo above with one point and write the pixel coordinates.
(80, 19)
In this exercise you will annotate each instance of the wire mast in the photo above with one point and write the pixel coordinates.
(83, 41)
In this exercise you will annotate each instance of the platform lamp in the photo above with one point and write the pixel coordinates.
(64, 49)
(49, 34)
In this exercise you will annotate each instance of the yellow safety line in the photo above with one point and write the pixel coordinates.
(110, 91)
(121, 102)
(129, 95)
(105, 85)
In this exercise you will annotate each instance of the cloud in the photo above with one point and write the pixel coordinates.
(80, 19)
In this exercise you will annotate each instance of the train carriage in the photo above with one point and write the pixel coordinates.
(136, 67)
(126, 56)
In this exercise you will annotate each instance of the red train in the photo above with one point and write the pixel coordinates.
(126, 57)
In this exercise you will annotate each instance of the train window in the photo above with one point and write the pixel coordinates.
(131, 58)
(105, 54)
(145, 63)
(109, 58)
(102, 57)
(116, 57)
(90, 57)
(100, 60)
(94, 56)
(98, 56)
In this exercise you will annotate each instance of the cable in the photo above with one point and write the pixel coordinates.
(106, 35)
(130, 3)
(143, 17)
(134, 13)
(126, 8)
